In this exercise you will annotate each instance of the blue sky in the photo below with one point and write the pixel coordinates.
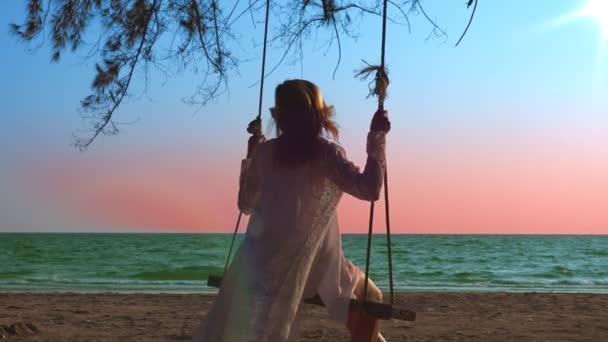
(518, 78)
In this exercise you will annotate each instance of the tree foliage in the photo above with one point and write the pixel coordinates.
(128, 34)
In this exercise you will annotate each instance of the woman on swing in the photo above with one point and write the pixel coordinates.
(292, 249)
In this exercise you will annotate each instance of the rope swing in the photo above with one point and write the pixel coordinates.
(376, 310)
(256, 131)
(380, 90)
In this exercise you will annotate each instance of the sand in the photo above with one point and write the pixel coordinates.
(441, 317)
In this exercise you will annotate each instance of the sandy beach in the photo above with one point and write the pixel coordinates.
(441, 317)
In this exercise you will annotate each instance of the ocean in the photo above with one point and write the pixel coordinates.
(181, 262)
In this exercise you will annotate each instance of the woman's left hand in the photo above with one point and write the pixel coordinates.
(380, 122)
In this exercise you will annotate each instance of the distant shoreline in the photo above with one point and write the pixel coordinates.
(377, 232)
(214, 291)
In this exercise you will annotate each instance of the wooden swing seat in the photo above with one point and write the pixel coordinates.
(377, 310)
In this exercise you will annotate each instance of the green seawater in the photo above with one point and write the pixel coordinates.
(182, 262)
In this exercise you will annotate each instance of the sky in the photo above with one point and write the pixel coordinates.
(505, 134)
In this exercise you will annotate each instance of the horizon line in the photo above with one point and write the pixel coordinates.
(364, 233)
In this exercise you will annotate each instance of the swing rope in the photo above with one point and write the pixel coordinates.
(382, 81)
(257, 129)
(236, 229)
(379, 90)
(262, 76)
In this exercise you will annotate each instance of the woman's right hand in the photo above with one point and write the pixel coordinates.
(380, 122)
(253, 143)
(255, 128)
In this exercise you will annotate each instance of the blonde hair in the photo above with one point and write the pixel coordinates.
(301, 117)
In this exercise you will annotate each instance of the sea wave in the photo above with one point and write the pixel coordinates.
(180, 273)
(182, 262)
(598, 252)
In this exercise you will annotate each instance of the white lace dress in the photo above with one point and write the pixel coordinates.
(292, 248)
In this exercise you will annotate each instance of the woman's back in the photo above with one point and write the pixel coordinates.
(292, 198)
(293, 208)
(292, 248)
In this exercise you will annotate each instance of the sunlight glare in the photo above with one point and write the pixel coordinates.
(598, 10)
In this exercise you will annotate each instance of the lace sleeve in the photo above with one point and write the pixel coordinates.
(249, 190)
(346, 175)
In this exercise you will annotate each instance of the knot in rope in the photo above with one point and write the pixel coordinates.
(380, 83)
